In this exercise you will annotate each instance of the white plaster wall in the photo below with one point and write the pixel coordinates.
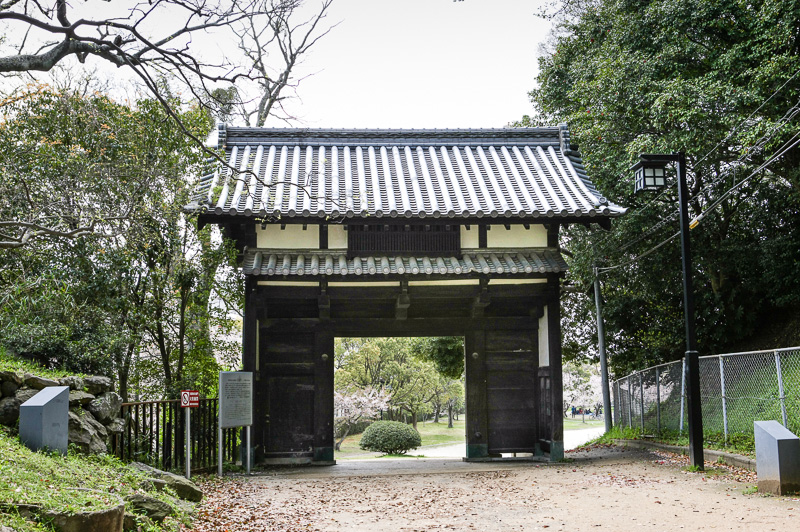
(293, 237)
(469, 239)
(337, 237)
(516, 237)
(544, 344)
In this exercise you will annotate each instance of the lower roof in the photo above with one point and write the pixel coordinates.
(294, 263)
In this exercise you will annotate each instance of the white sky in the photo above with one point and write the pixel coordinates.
(397, 63)
(422, 64)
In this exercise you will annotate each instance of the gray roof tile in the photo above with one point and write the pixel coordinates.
(510, 173)
(271, 263)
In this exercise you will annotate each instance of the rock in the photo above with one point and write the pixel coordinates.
(183, 487)
(110, 520)
(116, 426)
(23, 394)
(79, 398)
(97, 384)
(9, 388)
(11, 376)
(6, 529)
(74, 383)
(37, 382)
(86, 433)
(150, 506)
(153, 484)
(9, 410)
(106, 407)
(136, 523)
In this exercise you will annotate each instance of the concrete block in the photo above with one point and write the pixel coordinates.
(777, 458)
(43, 420)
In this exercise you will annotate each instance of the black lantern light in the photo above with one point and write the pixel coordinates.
(649, 175)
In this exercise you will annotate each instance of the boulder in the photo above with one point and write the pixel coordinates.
(136, 523)
(115, 426)
(183, 487)
(153, 484)
(25, 393)
(110, 520)
(97, 384)
(86, 433)
(11, 376)
(74, 383)
(79, 398)
(150, 506)
(106, 407)
(9, 410)
(9, 388)
(37, 382)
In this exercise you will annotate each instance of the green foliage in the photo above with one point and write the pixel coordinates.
(138, 298)
(395, 366)
(446, 352)
(661, 76)
(390, 437)
(70, 484)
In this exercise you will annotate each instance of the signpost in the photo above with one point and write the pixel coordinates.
(235, 407)
(189, 399)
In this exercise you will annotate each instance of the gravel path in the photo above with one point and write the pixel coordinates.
(603, 488)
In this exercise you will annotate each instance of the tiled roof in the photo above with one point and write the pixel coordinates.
(510, 173)
(312, 263)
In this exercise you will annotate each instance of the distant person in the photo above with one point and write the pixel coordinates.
(573, 412)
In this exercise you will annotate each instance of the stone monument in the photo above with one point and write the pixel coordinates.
(43, 420)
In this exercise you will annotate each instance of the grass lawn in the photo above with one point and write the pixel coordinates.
(431, 434)
(577, 424)
(438, 433)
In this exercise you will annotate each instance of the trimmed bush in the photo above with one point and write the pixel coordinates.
(390, 437)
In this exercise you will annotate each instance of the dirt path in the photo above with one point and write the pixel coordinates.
(602, 489)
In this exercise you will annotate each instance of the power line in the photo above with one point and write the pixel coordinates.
(789, 115)
(791, 143)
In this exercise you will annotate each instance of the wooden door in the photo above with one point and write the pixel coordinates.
(511, 368)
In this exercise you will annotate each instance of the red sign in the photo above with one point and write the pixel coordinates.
(190, 398)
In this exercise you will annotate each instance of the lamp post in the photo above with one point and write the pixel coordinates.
(649, 175)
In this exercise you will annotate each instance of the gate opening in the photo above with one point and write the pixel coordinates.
(418, 381)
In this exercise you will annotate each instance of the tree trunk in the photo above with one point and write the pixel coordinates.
(436, 415)
(449, 415)
(338, 444)
(414, 420)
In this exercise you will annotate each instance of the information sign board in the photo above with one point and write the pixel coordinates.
(235, 399)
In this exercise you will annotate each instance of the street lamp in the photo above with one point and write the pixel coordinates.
(650, 170)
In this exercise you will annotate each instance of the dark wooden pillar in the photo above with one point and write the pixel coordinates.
(249, 361)
(323, 398)
(556, 384)
(477, 413)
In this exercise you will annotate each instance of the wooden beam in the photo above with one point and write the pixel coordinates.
(482, 300)
(403, 302)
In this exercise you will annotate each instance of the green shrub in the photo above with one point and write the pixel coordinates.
(390, 437)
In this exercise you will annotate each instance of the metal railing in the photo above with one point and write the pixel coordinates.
(154, 434)
(735, 390)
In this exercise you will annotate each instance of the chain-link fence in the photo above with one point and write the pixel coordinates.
(735, 390)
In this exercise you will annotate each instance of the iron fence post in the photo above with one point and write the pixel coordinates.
(658, 401)
(780, 388)
(630, 402)
(683, 391)
(724, 399)
(641, 401)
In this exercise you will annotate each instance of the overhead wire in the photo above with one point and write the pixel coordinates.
(791, 143)
(750, 152)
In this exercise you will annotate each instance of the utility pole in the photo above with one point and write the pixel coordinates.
(601, 347)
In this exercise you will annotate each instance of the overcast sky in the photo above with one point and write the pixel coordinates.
(422, 64)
